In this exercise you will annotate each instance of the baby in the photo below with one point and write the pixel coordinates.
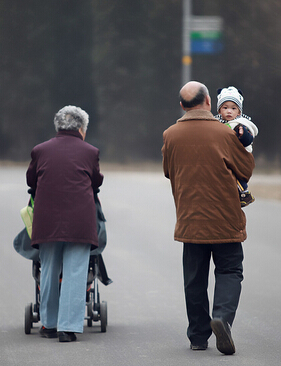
(229, 107)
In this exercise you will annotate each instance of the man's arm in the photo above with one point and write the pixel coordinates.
(164, 156)
(239, 160)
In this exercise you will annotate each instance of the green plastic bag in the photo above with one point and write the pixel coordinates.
(27, 216)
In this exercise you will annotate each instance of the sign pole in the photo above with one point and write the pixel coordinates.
(186, 43)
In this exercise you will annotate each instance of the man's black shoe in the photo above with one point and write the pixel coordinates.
(48, 332)
(222, 332)
(199, 347)
(67, 337)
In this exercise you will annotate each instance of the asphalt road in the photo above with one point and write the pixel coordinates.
(146, 313)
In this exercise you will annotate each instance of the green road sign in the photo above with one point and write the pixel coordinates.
(206, 34)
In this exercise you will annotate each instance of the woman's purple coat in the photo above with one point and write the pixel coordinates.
(64, 171)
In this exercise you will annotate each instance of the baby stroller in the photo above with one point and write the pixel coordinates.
(96, 310)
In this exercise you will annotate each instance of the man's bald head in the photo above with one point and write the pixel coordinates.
(195, 95)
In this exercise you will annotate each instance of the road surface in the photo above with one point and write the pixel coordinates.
(146, 312)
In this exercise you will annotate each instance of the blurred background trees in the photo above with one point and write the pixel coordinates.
(45, 63)
(121, 62)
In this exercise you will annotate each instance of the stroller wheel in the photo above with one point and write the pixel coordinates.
(28, 319)
(103, 316)
(89, 314)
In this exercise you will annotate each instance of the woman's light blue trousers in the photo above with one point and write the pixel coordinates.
(62, 305)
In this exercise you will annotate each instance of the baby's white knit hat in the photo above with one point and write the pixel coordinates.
(230, 94)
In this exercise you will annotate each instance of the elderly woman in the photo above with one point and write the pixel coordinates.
(64, 172)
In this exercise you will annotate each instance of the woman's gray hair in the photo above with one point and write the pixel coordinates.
(71, 118)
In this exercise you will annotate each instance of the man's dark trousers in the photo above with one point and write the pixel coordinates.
(227, 258)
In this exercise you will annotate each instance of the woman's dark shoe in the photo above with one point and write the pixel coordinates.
(48, 332)
(67, 337)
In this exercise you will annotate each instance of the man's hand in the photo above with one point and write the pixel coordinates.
(239, 130)
(244, 134)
